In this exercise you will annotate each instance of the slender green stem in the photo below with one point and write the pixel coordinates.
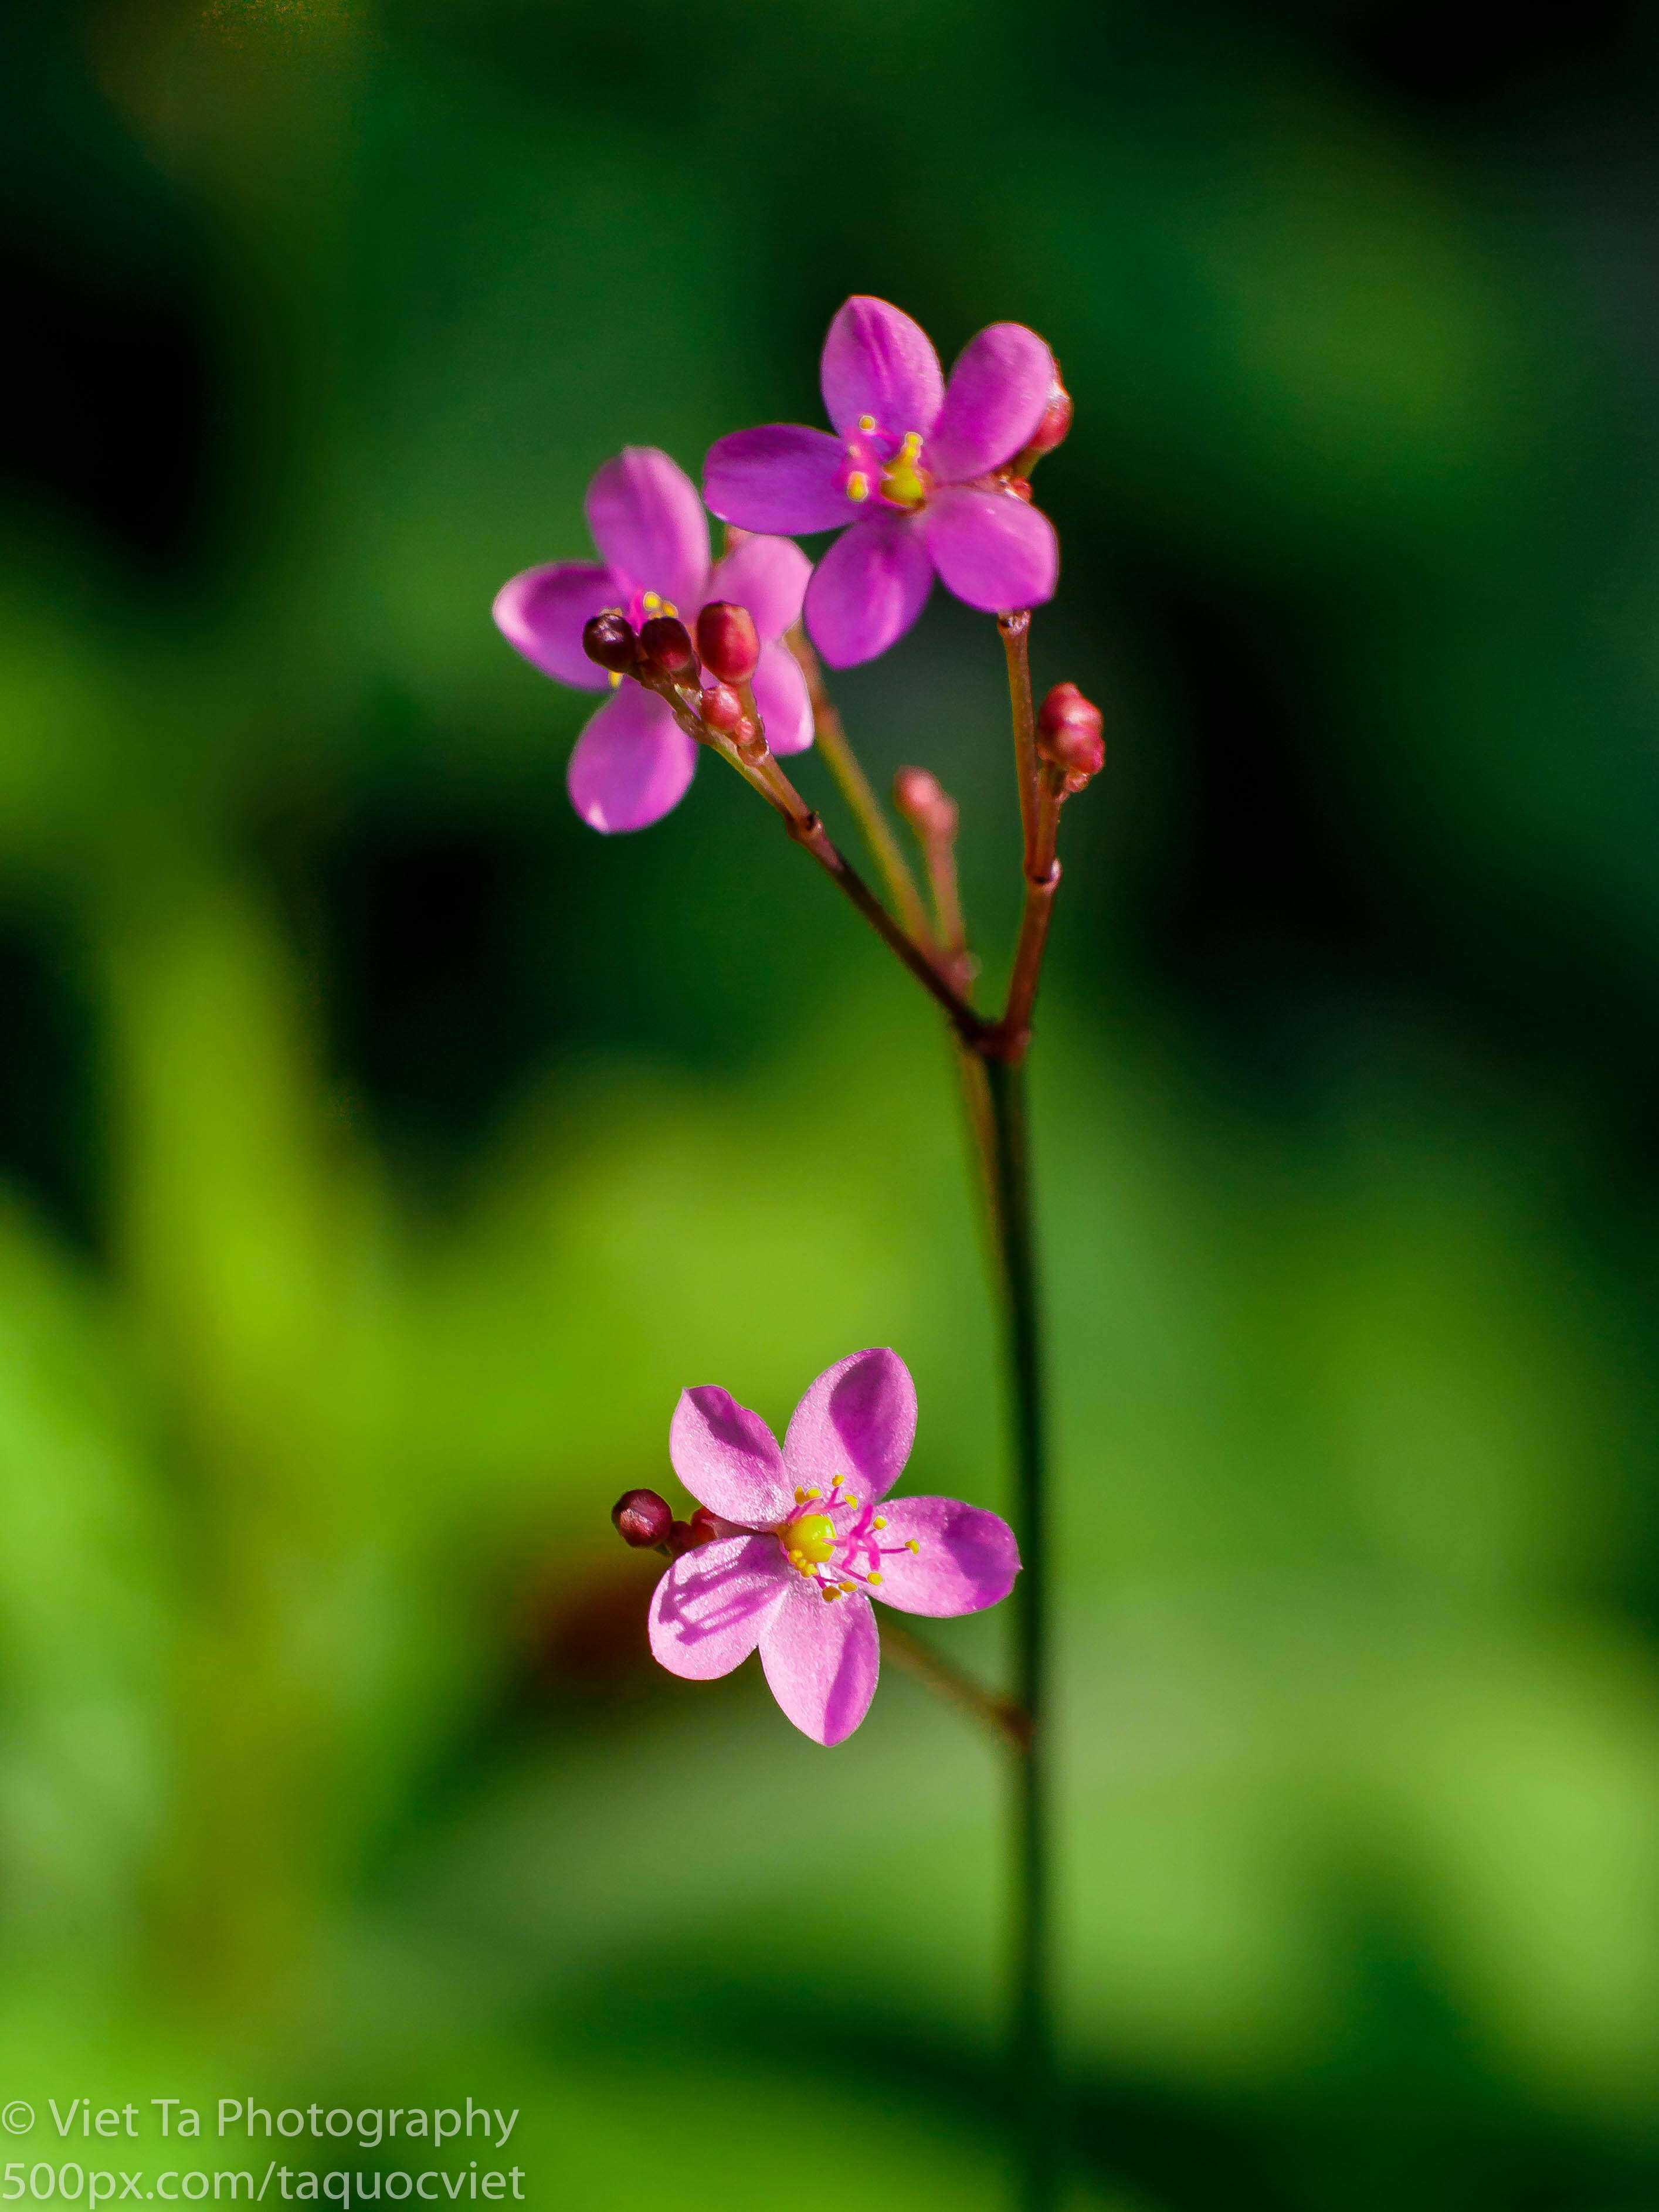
(1032, 2054)
(855, 787)
(1001, 1715)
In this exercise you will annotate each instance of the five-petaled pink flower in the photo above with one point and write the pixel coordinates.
(633, 762)
(911, 468)
(801, 1547)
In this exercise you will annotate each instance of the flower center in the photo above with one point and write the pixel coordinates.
(811, 1538)
(902, 481)
(879, 462)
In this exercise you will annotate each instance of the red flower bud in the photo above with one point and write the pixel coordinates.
(1056, 420)
(722, 710)
(686, 1535)
(665, 643)
(728, 641)
(609, 639)
(642, 1518)
(925, 803)
(1069, 732)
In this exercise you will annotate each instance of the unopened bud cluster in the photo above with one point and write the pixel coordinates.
(647, 1522)
(1068, 735)
(662, 655)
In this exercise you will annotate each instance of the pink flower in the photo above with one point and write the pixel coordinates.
(633, 762)
(801, 1548)
(911, 469)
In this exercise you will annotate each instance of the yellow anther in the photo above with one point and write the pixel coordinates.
(813, 1492)
(866, 421)
(901, 480)
(872, 1576)
(847, 1589)
(652, 601)
(830, 1591)
(849, 1499)
(858, 485)
(669, 608)
(880, 1521)
(616, 678)
(912, 1545)
(800, 1495)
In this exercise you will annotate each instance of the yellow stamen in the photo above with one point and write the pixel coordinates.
(652, 601)
(813, 1492)
(872, 1576)
(847, 1589)
(880, 1521)
(858, 485)
(901, 480)
(800, 1495)
(912, 1546)
(866, 421)
(849, 1499)
(669, 608)
(831, 1591)
(616, 679)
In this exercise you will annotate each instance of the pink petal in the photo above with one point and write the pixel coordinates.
(822, 1656)
(877, 361)
(869, 588)
(709, 1610)
(992, 548)
(967, 1558)
(541, 614)
(728, 1459)
(781, 695)
(631, 763)
(994, 400)
(780, 477)
(648, 522)
(858, 1421)
(768, 576)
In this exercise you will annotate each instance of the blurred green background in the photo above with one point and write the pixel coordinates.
(382, 1152)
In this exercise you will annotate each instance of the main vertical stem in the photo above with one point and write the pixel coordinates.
(1033, 2051)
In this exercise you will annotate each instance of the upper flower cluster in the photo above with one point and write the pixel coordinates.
(917, 477)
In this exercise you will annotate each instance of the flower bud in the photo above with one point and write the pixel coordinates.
(728, 641)
(686, 1535)
(925, 805)
(1069, 732)
(722, 710)
(665, 645)
(641, 1518)
(1056, 421)
(609, 639)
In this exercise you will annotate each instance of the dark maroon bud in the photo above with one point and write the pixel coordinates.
(925, 803)
(642, 1518)
(704, 1526)
(1056, 420)
(1069, 732)
(609, 639)
(728, 641)
(665, 643)
(722, 710)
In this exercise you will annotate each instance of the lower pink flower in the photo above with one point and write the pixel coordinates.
(807, 1535)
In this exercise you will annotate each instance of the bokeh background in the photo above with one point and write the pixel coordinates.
(382, 1150)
